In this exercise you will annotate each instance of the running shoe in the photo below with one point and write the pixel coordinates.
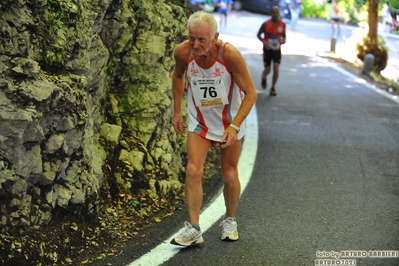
(229, 229)
(264, 83)
(188, 236)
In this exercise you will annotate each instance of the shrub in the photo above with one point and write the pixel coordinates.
(375, 47)
(313, 9)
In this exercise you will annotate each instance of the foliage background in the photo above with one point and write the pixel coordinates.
(352, 11)
(394, 3)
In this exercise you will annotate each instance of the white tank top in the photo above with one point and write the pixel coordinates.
(213, 98)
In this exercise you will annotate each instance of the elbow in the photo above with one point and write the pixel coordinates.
(255, 97)
(251, 97)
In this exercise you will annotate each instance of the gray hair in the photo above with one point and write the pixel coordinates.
(200, 18)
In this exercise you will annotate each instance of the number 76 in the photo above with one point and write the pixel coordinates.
(211, 91)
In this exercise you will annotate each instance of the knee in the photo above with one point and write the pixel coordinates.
(230, 175)
(194, 172)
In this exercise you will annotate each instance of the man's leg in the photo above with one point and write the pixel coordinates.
(223, 20)
(197, 149)
(267, 60)
(267, 63)
(294, 18)
(231, 190)
(384, 23)
(232, 186)
(276, 71)
(265, 72)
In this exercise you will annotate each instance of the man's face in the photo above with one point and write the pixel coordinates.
(275, 13)
(200, 39)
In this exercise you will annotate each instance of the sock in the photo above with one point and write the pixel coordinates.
(196, 226)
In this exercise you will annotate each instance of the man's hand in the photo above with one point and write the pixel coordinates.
(178, 124)
(229, 138)
(265, 44)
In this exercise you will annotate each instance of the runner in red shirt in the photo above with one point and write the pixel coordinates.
(273, 31)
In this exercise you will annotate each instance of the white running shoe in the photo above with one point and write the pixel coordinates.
(229, 229)
(188, 236)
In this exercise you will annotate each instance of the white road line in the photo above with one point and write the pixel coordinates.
(165, 250)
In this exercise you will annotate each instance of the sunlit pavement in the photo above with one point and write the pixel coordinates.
(310, 37)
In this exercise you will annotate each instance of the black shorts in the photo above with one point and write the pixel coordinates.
(270, 55)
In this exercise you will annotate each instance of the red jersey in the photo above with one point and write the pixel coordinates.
(273, 33)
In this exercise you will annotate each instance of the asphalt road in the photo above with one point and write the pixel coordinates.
(325, 178)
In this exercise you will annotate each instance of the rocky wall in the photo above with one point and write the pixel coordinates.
(85, 100)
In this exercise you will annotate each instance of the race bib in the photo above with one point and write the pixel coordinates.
(274, 42)
(223, 5)
(209, 92)
(208, 8)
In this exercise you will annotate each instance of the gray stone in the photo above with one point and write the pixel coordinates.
(54, 143)
(333, 43)
(111, 132)
(368, 64)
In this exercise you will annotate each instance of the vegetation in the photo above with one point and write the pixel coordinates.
(352, 11)
(355, 12)
(58, 32)
(375, 47)
(393, 3)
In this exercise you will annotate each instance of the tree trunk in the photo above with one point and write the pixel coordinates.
(373, 19)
